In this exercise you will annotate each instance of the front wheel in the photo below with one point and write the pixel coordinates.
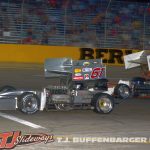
(103, 103)
(29, 103)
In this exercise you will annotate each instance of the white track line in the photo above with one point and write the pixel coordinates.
(21, 121)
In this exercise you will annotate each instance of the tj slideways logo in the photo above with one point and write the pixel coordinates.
(9, 140)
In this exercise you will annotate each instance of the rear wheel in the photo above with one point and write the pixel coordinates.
(29, 103)
(122, 91)
(103, 103)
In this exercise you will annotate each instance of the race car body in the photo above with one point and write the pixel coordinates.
(83, 85)
(137, 86)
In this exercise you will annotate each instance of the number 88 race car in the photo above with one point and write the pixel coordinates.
(137, 86)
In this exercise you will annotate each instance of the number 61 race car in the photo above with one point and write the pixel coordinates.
(83, 85)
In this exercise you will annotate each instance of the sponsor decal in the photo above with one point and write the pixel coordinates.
(86, 77)
(86, 69)
(78, 78)
(9, 140)
(86, 63)
(97, 72)
(78, 74)
(77, 70)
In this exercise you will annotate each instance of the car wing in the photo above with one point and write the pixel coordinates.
(137, 59)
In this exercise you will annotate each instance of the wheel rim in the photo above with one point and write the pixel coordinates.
(105, 104)
(30, 104)
(124, 91)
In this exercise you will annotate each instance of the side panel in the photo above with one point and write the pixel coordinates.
(7, 103)
(83, 96)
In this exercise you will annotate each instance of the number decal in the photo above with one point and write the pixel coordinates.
(97, 73)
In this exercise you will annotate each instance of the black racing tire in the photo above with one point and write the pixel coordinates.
(28, 103)
(7, 88)
(103, 103)
(138, 79)
(122, 91)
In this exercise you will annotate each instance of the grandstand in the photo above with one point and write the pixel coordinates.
(89, 23)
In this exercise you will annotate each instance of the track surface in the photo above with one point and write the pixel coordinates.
(129, 119)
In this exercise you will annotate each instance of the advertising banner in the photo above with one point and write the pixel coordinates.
(38, 54)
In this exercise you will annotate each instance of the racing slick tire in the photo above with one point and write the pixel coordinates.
(122, 91)
(103, 103)
(28, 103)
(7, 88)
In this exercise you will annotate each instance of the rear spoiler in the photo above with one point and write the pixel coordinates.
(91, 69)
(57, 67)
(137, 59)
(148, 60)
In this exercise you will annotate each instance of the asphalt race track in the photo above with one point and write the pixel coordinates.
(129, 119)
